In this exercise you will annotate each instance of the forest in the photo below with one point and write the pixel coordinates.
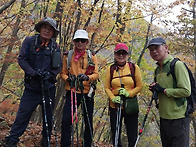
(108, 22)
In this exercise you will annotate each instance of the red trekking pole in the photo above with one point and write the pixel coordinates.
(154, 97)
(76, 114)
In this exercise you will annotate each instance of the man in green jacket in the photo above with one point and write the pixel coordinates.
(174, 125)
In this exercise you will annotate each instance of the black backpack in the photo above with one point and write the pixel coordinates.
(191, 100)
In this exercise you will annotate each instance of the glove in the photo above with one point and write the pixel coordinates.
(46, 75)
(158, 88)
(83, 77)
(39, 73)
(122, 91)
(116, 99)
(71, 79)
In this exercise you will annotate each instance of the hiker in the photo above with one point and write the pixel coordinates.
(78, 72)
(35, 58)
(174, 125)
(121, 86)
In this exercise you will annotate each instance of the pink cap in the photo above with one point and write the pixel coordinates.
(121, 46)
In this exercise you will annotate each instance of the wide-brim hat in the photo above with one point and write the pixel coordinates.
(82, 34)
(156, 41)
(49, 21)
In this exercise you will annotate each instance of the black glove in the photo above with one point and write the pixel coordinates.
(158, 88)
(83, 77)
(46, 75)
(71, 78)
(39, 73)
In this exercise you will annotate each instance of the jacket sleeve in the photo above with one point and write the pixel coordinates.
(23, 58)
(108, 85)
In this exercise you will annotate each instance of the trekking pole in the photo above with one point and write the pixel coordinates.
(72, 120)
(44, 107)
(72, 113)
(53, 122)
(76, 114)
(81, 86)
(118, 115)
(154, 97)
(77, 83)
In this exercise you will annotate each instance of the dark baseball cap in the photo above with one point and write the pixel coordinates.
(156, 41)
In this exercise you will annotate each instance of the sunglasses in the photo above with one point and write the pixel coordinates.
(121, 53)
(80, 40)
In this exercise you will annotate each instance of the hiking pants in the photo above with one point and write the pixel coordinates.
(175, 132)
(66, 120)
(29, 101)
(131, 123)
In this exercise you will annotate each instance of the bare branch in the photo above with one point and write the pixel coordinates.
(4, 7)
(187, 10)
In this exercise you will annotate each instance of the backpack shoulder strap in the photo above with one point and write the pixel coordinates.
(34, 42)
(172, 68)
(32, 46)
(132, 69)
(89, 56)
(112, 68)
(155, 73)
(54, 45)
(70, 53)
(89, 53)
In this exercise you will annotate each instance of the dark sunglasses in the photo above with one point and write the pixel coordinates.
(80, 40)
(121, 53)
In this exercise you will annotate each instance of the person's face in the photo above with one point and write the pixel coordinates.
(80, 44)
(158, 52)
(46, 31)
(120, 57)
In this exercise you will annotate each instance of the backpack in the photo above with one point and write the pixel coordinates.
(191, 100)
(132, 69)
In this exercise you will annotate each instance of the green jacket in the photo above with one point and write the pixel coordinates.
(172, 105)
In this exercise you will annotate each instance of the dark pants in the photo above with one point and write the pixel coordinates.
(131, 123)
(66, 120)
(29, 101)
(175, 132)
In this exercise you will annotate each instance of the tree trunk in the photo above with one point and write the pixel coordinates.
(8, 59)
(146, 42)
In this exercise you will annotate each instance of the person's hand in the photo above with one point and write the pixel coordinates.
(71, 78)
(39, 73)
(150, 87)
(83, 77)
(117, 99)
(122, 91)
(46, 75)
(156, 87)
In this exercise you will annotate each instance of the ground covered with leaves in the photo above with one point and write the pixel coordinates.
(32, 136)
